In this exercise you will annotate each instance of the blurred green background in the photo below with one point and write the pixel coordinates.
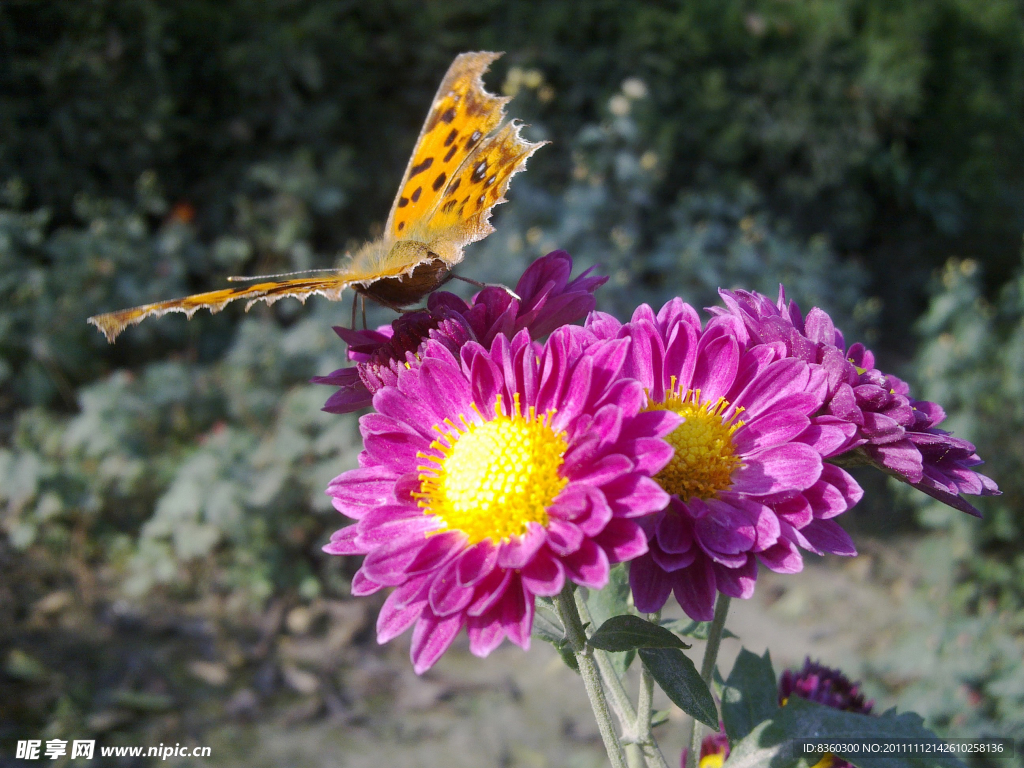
(161, 499)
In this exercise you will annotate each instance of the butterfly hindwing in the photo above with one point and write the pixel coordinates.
(461, 116)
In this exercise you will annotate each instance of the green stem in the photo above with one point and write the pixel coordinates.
(707, 669)
(577, 637)
(636, 726)
(645, 708)
(619, 697)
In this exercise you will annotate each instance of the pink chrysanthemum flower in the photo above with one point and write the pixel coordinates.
(895, 432)
(493, 476)
(547, 300)
(747, 480)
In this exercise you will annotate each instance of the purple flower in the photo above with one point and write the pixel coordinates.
(491, 476)
(895, 433)
(547, 301)
(747, 480)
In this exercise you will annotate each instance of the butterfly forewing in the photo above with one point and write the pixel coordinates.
(462, 213)
(461, 116)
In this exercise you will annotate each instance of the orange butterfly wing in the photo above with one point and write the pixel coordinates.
(112, 323)
(462, 213)
(457, 173)
(461, 115)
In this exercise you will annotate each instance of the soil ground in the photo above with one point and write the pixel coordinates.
(527, 710)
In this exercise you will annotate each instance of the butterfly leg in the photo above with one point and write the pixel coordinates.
(362, 301)
(478, 284)
(355, 300)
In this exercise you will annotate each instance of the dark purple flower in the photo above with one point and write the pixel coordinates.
(827, 686)
(547, 300)
(490, 476)
(894, 432)
(747, 480)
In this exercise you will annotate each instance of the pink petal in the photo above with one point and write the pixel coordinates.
(790, 467)
(588, 567)
(622, 540)
(828, 536)
(694, 588)
(446, 595)
(543, 576)
(396, 617)
(431, 639)
(650, 585)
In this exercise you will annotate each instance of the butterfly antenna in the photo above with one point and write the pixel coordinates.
(239, 279)
(478, 284)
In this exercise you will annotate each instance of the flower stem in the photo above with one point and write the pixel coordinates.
(641, 747)
(707, 669)
(577, 637)
(617, 692)
(644, 710)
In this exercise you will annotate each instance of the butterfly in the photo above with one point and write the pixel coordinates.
(459, 170)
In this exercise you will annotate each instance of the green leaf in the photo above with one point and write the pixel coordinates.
(626, 633)
(659, 717)
(568, 657)
(613, 600)
(679, 679)
(775, 743)
(750, 695)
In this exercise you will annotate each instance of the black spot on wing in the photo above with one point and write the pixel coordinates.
(451, 153)
(451, 137)
(438, 181)
(416, 194)
(479, 172)
(420, 168)
(401, 226)
(448, 116)
(453, 187)
(472, 140)
(403, 201)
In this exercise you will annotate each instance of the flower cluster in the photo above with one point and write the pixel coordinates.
(497, 465)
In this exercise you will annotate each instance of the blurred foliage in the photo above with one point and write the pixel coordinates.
(162, 497)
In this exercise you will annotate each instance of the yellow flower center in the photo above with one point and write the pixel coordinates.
(495, 476)
(705, 457)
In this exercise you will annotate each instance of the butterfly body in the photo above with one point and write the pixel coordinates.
(458, 171)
